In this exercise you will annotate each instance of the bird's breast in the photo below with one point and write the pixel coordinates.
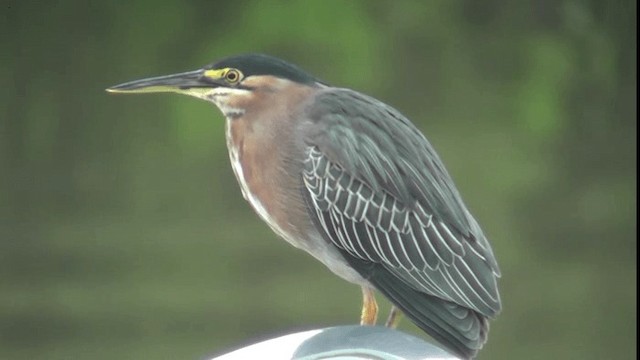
(270, 182)
(259, 167)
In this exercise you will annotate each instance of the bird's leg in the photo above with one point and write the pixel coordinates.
(369, 307)
(395, 315)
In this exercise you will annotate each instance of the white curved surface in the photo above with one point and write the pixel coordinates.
(282, 347)
(342, 343)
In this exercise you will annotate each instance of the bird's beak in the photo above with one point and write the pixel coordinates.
(183, 83)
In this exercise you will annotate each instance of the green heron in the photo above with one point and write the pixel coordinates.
(354, 183)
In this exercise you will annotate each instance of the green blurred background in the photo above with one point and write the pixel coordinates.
(123, 234)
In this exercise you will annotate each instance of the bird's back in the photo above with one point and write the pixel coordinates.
(378, 192)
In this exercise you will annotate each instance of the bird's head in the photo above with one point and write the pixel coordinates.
(234, 84)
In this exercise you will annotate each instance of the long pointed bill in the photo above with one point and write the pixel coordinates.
(183, 83)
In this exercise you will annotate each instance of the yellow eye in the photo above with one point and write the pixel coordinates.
(232, 76)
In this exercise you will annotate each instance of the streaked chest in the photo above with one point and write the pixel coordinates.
(257, 161)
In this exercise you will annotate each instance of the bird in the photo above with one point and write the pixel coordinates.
(354, 183)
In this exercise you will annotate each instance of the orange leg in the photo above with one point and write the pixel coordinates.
(369, 307)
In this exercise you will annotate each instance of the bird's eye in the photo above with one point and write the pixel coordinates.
(232, 76)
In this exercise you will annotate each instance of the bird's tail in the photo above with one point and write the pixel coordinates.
(462, 330)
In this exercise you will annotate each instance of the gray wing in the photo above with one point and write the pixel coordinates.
(381, 194)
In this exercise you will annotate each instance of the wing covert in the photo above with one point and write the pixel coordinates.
(379, 200)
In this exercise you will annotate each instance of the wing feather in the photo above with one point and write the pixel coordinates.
(380, 193)
(411, 243)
